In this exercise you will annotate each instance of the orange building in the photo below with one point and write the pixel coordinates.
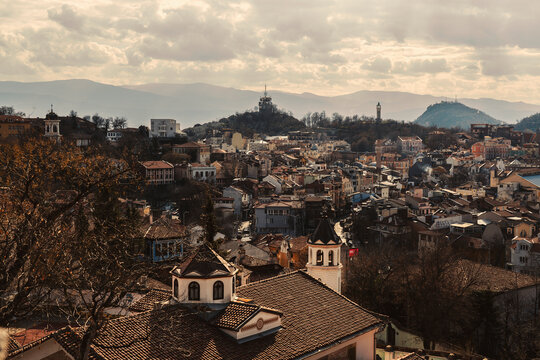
(11, 125)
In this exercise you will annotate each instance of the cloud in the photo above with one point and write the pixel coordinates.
(378, 64)
(421, 66)
(67, 17)
(322, 46)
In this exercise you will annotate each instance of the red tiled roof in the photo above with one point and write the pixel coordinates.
(148, 301)
(165, 228)
(314, 317)
(160, 164)
(237, 314)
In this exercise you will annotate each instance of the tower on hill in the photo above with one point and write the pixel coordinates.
(265, 103)
(379, 111)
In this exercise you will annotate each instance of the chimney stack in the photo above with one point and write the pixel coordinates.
(389, 352)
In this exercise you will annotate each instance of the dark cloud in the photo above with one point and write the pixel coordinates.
(378, 64)
(67, 17)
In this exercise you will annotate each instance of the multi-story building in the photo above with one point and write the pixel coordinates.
(195, 171)
(279, 218)
(114, 135)
(409, 144)
(491, 148)
(241, 200)
(164, 128)
(158, 172)
(525, 255)
(11, 126)
(199, 153)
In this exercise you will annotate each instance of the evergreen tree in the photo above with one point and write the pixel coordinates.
(208, 220)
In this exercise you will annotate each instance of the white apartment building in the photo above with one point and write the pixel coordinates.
(164, 128)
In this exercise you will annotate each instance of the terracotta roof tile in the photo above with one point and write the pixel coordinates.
(235, 314)
(149, 299)
(165, 228)
(314, 317)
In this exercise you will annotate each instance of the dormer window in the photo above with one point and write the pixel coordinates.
(218, 290)
(175, 288)
(194, 291)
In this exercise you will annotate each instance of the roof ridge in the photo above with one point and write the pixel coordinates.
(268, 279)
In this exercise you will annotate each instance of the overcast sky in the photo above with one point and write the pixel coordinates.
(468, 48)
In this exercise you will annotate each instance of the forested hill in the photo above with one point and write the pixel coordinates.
(249, 123)
(454, 115)
(529, 123)
(362, 134)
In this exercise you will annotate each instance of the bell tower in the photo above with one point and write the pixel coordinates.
(324, 255)
(52, 126)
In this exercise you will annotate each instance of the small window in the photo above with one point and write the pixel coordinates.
(331, 258)
(319, 257)
(194, 291)
(218, 290)
(175, 293)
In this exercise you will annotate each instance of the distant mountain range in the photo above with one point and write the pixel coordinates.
(454, 115)
(201, 103)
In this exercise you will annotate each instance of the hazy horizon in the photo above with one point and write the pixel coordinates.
(270, 90)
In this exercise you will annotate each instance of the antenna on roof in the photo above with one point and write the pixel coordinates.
(51, 108)
(264, 90)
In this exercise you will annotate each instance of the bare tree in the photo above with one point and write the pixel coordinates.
(62, 230)
(119, 123)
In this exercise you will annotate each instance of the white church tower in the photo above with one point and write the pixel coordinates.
(324, 254)
(52, 126)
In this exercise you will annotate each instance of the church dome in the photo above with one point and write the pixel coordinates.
(51, 116)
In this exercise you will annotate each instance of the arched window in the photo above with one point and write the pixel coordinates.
(319, 257)
(331, 258)
(175, 293)
(55, 129)
(218, 290)
(194, 291)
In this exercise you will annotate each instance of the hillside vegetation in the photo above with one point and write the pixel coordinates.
(249, 123)
(529, 123)
(453, 115)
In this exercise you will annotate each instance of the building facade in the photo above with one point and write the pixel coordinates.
(164, 128)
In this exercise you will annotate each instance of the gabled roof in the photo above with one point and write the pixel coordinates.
(205, 263)
(159, 164)
(236, 314)
(149, 299)
(175, 332)
(165, 228)
(324, 234)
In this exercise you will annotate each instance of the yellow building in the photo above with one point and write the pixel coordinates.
(11, 125)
